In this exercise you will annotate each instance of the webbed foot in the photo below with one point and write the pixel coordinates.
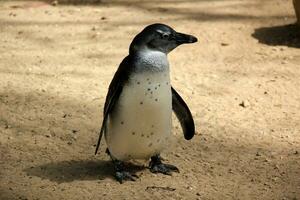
(122, 176)
(156, 166)
(120, 173)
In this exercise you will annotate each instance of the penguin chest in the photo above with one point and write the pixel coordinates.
(140, 125)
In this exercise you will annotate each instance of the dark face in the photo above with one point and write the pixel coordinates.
(160, 37)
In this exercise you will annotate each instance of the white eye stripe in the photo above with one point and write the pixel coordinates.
(160, 31)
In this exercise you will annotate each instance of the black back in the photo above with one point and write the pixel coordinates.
(115, 89)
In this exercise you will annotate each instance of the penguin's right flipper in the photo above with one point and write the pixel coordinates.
(183, 114)
(114, 91)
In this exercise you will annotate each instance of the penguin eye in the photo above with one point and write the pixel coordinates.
(164, 36)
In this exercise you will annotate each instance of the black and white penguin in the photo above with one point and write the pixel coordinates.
(137, 117)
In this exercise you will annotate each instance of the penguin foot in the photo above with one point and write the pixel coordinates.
(122, 176)
(156, 166)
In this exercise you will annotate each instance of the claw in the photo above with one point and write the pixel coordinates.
(122, 176)
(156, 166)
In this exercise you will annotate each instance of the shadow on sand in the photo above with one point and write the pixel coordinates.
(68, 171)
(286, 35)
(196, 12)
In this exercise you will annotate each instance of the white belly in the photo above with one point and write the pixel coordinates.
(140, 126)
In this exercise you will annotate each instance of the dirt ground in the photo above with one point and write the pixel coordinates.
(241, 82)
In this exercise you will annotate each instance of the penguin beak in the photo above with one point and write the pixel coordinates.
(182, 38)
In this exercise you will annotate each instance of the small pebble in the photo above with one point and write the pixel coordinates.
(296, 152)
(224, 44)
(244, 104)
(54, 3)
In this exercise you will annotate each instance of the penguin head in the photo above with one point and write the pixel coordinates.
(159, 37)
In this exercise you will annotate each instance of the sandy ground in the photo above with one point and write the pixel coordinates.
(241, 81)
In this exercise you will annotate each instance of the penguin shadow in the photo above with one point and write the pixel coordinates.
(286, 35)
(68, 171)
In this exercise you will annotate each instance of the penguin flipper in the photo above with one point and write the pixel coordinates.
(114, 91)
(183, 114)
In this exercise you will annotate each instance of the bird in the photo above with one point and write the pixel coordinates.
(137, 114)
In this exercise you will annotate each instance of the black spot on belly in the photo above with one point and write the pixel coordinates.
(167, 83)
(150, 144)
(142, 135)
(151, 133)
(141, 103)
(133, 133)
(155, 88)
(156, 99)
(138, 82)
(148, 136)
(122, 122)
(149, 82)
(148, 89)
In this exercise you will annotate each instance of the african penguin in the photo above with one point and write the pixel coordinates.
(137, 117)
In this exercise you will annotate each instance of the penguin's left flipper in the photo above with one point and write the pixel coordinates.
(114, 92)
(183, 114)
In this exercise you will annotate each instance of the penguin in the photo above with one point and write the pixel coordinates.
(137, 115)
